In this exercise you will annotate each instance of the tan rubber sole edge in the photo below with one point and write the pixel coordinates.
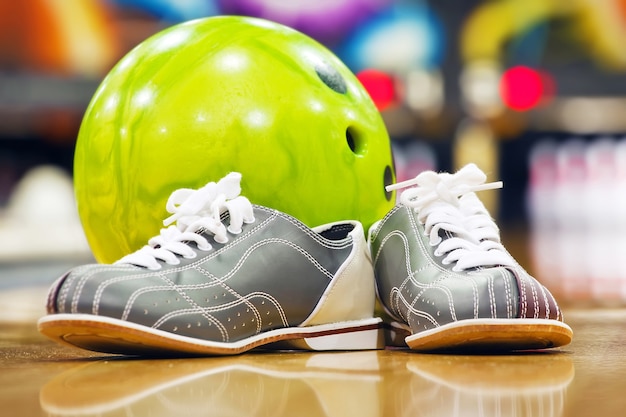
(493, 335)
(108, 335)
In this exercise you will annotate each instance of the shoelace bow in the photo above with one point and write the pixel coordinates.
(195, 211)
(454, 218)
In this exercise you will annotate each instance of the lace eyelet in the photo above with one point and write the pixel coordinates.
(234, 231)
(192, 255)
(222, 241)
(205, 248)
(175, 262)
(155, 268)
(433, 244)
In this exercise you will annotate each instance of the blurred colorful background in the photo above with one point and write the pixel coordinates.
(533, 91)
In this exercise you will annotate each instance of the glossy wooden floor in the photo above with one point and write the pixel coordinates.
(586, 378)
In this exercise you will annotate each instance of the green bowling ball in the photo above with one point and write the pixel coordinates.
(210, 96)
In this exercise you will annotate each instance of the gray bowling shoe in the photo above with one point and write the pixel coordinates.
(446, 281)
(225, 277)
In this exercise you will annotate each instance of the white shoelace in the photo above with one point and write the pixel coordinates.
(195, 211)
(447, 203)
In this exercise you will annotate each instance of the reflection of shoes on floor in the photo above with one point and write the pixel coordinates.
(41, 220)
(444, 277)
(227, 278)
(332, 384)
(504, 386)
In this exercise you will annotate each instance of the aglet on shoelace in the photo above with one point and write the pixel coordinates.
(454, 218)
(195, 212)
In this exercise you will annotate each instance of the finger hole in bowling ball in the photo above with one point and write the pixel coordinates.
(355, 142)
(387, 180)
(331, 77)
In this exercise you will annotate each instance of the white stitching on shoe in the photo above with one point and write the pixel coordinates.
(535, 301)
(144, 273)
(238, 265)
(79, 289)
(492, 298)
(508, 291)
(205, 311)
(523, 298)
(216, 281)
(196, 308)
(545, 300)
(64, 290)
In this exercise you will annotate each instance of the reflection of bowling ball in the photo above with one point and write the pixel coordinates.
(222, 94)
(398, 39)
(327, 21)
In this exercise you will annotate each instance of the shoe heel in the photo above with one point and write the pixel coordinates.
(362, 337)
(359, 340)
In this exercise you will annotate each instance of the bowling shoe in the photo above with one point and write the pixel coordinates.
(445, 280)
(223, 277)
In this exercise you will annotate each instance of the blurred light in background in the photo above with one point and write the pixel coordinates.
(423, 91)
(380, 86)
(523, 88)
(327, 21)
(399, 39)
(583, 115)
(172, 11)
(67, 37)
(479, 82)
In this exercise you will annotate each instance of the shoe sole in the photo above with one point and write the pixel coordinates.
(493, 335)
(109, 335)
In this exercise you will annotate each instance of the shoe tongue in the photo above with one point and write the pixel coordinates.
(449, 231)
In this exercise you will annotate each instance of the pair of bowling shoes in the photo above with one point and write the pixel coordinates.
(225, 276)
